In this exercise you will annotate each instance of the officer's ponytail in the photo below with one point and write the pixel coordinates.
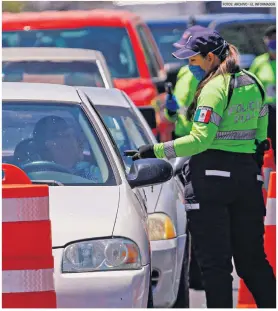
(230, 64)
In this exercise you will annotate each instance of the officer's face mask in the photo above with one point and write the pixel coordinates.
(271, 45)
(197, 72)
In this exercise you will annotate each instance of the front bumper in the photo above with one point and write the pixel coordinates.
(109, 289)
(167, 257)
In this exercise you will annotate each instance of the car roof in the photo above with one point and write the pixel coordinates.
(20, 91)
(106, 97)
(97, 15)
(12, 54)
(208, 18)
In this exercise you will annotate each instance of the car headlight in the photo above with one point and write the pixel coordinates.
(160, 227)
(101, 255)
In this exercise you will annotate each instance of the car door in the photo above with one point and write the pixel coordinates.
(129, 134)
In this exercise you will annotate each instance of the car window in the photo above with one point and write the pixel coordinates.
(165, 37)
(236, 34)
(54, 142)
(113, 42)
(152, 61)
(126, 129)
(256, 33)
(246, 37)
(75, 73)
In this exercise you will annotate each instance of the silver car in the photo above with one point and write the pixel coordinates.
(167, 218)
(99, 220)
(75, 67)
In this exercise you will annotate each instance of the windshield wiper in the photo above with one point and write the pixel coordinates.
(48, 182)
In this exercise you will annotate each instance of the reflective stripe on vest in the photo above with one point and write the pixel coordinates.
(243, 80)
(236, 135)
(264, 111)
(183, 110)
(25, 209)
(215, 118)
(26, 281)
(169, 150)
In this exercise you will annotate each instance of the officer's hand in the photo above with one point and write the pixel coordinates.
(171, 103)
(145, 151)
(261, 148)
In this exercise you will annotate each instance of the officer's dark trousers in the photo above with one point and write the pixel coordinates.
(229, 222)
(271, 131)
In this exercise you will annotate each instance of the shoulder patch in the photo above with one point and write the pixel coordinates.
(203, 114)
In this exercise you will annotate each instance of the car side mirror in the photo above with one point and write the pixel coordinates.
(148, 113)
(148, 172)
(178, 164)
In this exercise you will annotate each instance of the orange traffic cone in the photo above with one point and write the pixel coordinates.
(270, 222)
(268, 167)
(245, 298)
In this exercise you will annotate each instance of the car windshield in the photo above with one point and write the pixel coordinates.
(126, 129)
(75, 73)
(113, 42)
(54, 142)
(165, 37)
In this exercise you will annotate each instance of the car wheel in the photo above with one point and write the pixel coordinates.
(183, 293)
(150, 297)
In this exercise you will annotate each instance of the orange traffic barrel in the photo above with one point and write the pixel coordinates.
(27, 261)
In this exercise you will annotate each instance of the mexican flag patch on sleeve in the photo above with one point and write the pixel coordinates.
(203, 114)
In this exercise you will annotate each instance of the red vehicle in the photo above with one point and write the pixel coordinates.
(124, 39)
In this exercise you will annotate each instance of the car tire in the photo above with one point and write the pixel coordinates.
(183, 293)
(150, 296)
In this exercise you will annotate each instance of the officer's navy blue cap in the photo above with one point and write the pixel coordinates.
(188, 32)
(202, 42)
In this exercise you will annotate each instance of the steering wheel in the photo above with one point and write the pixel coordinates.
(38, 166)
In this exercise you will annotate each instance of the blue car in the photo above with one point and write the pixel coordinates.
(245, 31)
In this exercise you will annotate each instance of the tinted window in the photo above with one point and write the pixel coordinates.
(113, 42)
(54, 142)
(126, 129)
(248, 38)
(165, 37)
(70, 73)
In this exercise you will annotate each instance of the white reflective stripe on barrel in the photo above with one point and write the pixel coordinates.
(270, 218)
(26, 281)
(25, 209)
(266, 172)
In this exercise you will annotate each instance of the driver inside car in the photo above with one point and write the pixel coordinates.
(57, 142)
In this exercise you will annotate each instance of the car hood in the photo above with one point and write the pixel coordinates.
(78, 213)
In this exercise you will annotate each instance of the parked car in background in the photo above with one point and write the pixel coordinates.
(165, 204)
(124, 39)
(245, 31)
(75, 67)
(99, 219)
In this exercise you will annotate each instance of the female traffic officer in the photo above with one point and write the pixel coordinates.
(223, 183)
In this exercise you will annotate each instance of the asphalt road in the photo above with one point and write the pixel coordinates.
(198, 299)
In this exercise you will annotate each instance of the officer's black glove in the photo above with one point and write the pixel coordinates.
(262, 147)
(144, 152)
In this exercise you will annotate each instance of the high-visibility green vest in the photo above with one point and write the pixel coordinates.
(216, 125)
(184, 92)
(265, 70)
